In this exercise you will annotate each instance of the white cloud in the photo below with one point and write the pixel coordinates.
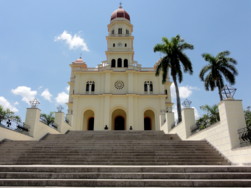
(196, 113)
(25, 92)
(185, 91)
(62, 98)
(73, 41)
(5, 103)
(46, 95)
(67, 88)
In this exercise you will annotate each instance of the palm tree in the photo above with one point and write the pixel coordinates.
(212, 113)
(212, 116)
(248, 118)
(48, 119)
(173, 60)
(219, 68)
(7, 114)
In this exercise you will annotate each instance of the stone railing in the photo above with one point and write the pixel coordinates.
(224, 135)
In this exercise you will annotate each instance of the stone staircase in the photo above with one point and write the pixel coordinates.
(117, 159)
(126, 176)
(110, 148)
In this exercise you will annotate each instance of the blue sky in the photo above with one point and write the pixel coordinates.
(35, 64)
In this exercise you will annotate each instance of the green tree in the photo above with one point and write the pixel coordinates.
(175, 61)
(212, 116)
(218, 68)
(248, 118)
(48, 119)
(7, 114)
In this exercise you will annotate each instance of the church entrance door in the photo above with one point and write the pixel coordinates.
(88, 120)
(149, 120)
(118, 120)
(147, 124)
(119, 123)
(91, 124)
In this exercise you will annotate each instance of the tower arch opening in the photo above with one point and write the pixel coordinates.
(113, 63)
(125, 63)
(119, 62)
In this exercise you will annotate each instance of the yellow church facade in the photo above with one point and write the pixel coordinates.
(119, 94)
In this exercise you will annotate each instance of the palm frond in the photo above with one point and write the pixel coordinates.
(203, 71)
(223, 54)
(228, 75)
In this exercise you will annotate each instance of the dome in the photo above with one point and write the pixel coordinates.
(120, 13)
(79, 60)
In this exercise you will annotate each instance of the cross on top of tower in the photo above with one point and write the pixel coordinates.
(120, 5)
(34, 103)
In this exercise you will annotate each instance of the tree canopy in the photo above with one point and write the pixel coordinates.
(48, 119)
(7, 114)
(218, 69)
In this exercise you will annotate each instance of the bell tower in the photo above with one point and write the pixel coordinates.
(120, 51)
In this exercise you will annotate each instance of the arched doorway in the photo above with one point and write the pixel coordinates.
(119, 123)
(149, 120)
(88, 120)
(119, 120)
(91, 124)
(147, 124)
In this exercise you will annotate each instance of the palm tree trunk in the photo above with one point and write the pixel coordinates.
(219, 89)
(177, 99)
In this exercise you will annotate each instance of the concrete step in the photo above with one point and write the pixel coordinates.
(108, 175)
(113, 163)
(125, 169)
(126, 182)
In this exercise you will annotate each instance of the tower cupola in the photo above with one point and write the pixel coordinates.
(120, 13)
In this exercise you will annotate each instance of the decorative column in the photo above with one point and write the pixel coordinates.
(106, 112)
(59, 118)
(32, 118)
(188, 120)
(130, 113)
(107, 82)
(232, 116)
(169, 117)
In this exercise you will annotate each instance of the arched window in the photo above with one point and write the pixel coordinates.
(148, 87)
(125, 45)
(113, 44)
(93, 86)
(113, 32)
(90, 86)
(145, 87)
(119, 62)
(151, 86)
(120, 31)
(125, 63)
(127, 32)
(113, 63)
(87, 86)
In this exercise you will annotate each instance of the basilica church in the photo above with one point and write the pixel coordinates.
(119, 94)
